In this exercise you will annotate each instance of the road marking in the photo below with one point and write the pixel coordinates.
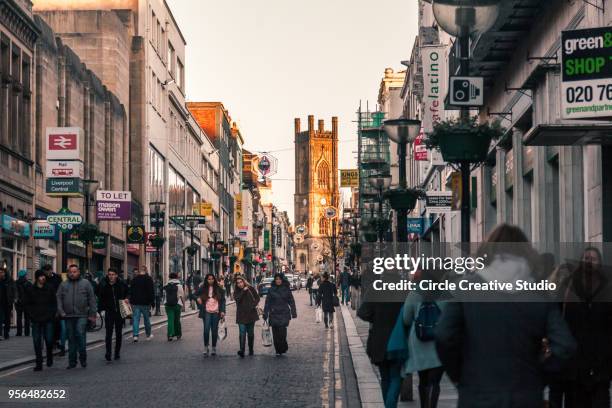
(337, 376)
(327, 377)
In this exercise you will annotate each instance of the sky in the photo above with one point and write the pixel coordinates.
(270, 61)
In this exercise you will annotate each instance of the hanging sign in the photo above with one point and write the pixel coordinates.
(63, 143)
(420, 150)
(64, 169)
(135, 234)
(349, 178)
(438, 201)
(65, 219)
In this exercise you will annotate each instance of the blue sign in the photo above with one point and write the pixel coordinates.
(15, 227)
(415, 225)
(43, 230)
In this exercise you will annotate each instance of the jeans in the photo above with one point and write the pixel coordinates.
(23, 321)
(137, 311)
(245, 330)
(174, 320)
(346, 294)
(76, 327)
(40, 331)
(328, 318)
(211, 323)
(390, 381)
(113, 322)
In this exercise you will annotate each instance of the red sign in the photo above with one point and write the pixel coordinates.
(148, 246)
(63, 142)
(420, 150)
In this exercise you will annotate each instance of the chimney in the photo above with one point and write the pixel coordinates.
(310, 123)
(297, 125)
(321, 126)
(334, 127)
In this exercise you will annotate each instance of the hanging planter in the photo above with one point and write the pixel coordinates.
(404, 199)
(157, 241)
(464, 141)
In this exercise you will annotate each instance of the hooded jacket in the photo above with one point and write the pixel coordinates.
(41, 302)
(247, 300)
(76, 298)
(280, 305)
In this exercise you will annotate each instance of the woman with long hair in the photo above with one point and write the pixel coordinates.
(247, 300)
(211, 301)
(279, 310)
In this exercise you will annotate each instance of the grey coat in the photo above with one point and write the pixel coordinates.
(75, 298)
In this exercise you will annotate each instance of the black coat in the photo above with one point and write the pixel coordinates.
(280, 305)
(382, 316)
(41, 303)
(325, 297)
(246, 305)
(141, 291)
(109, 295)
(21, 286)
(7, 292)
(55, 281)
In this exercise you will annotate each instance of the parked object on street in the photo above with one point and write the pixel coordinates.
(175, 303)
(278, 311)
(211, 302)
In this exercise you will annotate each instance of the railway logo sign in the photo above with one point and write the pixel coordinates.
(64, 143)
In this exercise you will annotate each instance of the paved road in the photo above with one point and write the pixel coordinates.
(316, 371)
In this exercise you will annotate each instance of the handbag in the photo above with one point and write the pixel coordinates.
(266, 335)
(125, 309)
(336, 301)
(318, 315)
(222, 330)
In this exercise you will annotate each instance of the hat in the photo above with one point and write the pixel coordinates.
(39, 273)
(22, 273)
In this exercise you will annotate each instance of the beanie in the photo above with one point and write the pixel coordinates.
(22, 273)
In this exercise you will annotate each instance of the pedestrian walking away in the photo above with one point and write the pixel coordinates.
(76, 303)
(247, 300)
(327, 298)
(59, 325)
(23, 318)
(345, 282)
(7, 298)
(142, 299)
(175, 303)
(309, 283)
(493, 370)
(40, 302)
(278, 311)
(314, 291)
(211, 301)
(111, 291)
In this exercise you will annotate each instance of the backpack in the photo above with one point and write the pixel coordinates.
(171, 294)
(426, 320)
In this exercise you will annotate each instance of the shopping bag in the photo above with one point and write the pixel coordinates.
(318, 315)
(222, 330)
(266, 335)
(125, 309)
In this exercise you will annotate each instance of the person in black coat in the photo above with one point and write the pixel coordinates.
(326, 298)
(110, 292)
(41, 304)
(247, 299)
(23, 319)
(7, 298)
(497, 351)
(142, 298)
(278, 311)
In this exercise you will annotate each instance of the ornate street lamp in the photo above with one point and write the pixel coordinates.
(156, 219)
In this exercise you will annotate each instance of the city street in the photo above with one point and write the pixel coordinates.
(160, 374)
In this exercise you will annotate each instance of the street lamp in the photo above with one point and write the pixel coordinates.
(462, 19)
(157, 217)
(90, 187)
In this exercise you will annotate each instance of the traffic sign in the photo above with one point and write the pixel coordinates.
(466, 91)
(182, 219)
(70, 187)
(64, 143)
(301, 229)
(330, 213)
(65, 219)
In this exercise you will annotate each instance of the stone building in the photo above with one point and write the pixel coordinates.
(316, 188)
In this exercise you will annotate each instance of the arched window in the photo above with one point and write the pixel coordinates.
(323, 175)
(323, 226)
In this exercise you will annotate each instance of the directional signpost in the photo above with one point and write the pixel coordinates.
(65, 219)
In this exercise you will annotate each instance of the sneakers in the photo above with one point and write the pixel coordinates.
(169, 338)
(214, 351)
(207, 352)
(135, 340)
(150, 337)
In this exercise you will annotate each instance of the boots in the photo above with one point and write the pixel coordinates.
(251, 342)
(49, 356)
(242, 341)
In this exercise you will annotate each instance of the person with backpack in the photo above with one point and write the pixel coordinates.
(23, 318)
(247, 300)
(175, 302)
(422, 310)
(110, 292)
(211, 301)
(328, 299)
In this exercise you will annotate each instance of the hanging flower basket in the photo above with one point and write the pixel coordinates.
(88, 232)
(404, 199)
(464, 141)
(157, 241)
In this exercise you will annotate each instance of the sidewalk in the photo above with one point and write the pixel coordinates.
(19, 350)
(368, 378)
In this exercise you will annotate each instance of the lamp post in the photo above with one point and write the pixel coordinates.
(91, 186)
(157, 216)
(462, 19)
(402, 131)
(380, 182)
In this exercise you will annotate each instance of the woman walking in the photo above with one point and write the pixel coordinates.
(327, 294)
(278, 311)
(211, 301)
(41, 305)
(247, 300)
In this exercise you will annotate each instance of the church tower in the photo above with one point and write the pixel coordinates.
(316, 188)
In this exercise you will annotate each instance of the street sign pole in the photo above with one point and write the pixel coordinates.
(64, 266)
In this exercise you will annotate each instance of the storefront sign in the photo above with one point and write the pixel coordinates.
(113, 205)
(203, 208)
(41, 229)
(116, 250)
(586, 61)
(64, 143)
(415, 225)
(99, 241)
(243, 232)
(438, 201)
(135, 234)
(68, 187)
(65, 169)
(238, 207)
(420, 150)
(349, 178)
(65, 219)
(16, 227)
(148, 246)
(434, 84)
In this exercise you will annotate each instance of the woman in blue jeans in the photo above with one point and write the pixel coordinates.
(211, 302)
(247, 300)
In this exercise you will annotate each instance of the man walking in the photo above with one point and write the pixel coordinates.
(23, 317)
(40, 302)
(345, 282)
(7, 297)
(175, 302)
(142, 298)
(59, 328)
(76, 302)
(111, 291)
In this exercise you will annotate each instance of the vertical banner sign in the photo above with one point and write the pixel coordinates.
(238, 204)
(420, 150)
(586, 61)
(434, 80)
(266, 240)
(113, 205)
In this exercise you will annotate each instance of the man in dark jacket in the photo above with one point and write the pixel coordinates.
(41, 304)
(142, 298)
(279, 310)
(326, 298)
(111, 291)
(59, 327)
(345, 282)
(309, 282)
(76, 303)
(23, 318)
(7, 298)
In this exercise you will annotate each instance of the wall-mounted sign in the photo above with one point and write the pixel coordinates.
(65, 219)
(149, 247)
(420, 149)
(415, 225)
(135, 234)
(157, 219)
(202, 208)
(466, 91)
(113, 205)
(238, 209)
(349, 178)
(64, 169)
(243, 232)
(70, 187)
(41, 229)
(16, 227)
(99, 241)
(438, 201)
(64, 143)
(434, 80)
(586, 61)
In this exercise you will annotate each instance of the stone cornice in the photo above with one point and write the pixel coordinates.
(18, 23)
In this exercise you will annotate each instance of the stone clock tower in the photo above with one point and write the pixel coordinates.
(316, 188)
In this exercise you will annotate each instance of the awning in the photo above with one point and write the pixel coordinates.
(569, 134)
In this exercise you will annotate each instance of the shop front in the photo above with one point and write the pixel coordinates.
(15, 235)
(46, 238)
